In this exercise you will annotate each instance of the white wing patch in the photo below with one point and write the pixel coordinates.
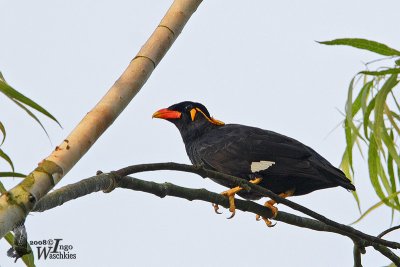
(261, 165)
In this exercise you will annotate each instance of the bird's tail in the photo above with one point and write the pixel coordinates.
(336, 175)
(339, 177)
(345, 182)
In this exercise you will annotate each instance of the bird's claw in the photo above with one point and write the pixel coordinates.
(232, 214)
(266, 220)
(231, 196)
(269, 223)
(274, 210)
(216, 208)
(270, 205)
(232, 207)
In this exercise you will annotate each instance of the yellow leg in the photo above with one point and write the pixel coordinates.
(231, 195)
(270, 205)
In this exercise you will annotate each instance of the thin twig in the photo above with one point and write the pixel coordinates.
(388, 231)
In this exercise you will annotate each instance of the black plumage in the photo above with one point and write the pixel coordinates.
(282, 162)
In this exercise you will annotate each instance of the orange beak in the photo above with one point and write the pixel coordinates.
(167, 114)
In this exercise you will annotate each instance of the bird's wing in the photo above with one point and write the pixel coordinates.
(241, 150)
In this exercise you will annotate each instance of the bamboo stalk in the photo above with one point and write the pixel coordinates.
(20, 200)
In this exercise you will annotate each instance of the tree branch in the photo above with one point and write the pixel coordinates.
(357, 254)
(249, 186)
(105, 181)
(388, 254)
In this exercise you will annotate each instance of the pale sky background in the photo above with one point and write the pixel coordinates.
(250, 62)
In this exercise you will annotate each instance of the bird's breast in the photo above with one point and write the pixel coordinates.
(193, 154)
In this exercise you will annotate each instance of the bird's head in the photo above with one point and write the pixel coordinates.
(190, 117)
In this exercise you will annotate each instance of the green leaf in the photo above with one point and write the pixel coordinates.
(355, 195)
(365, 44)
(380, 102)
(366, 94)
(382, 72)
(6, 158)
(395, 115)
(12, 174)
(360, 148)
(385, 181)
(10, 238)
(395, 100)
(391, 118)
(2, 188)
(3, 131)
(349, 126)
(390, 145)
(367, 113)
(391, 172)
(361, 97)
(375, 206)
(351, 110)
(349, 102)
(349, 144)
(345, 167)
(373, 161)
(28, 259)
(17, 96)
(32, 116)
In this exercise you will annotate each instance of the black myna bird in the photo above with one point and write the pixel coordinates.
(274, 161)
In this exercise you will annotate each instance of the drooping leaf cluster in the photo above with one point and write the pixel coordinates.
(25, 104)
(372, 119)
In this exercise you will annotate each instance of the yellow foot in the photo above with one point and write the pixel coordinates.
(231, 195)
(274, 210)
